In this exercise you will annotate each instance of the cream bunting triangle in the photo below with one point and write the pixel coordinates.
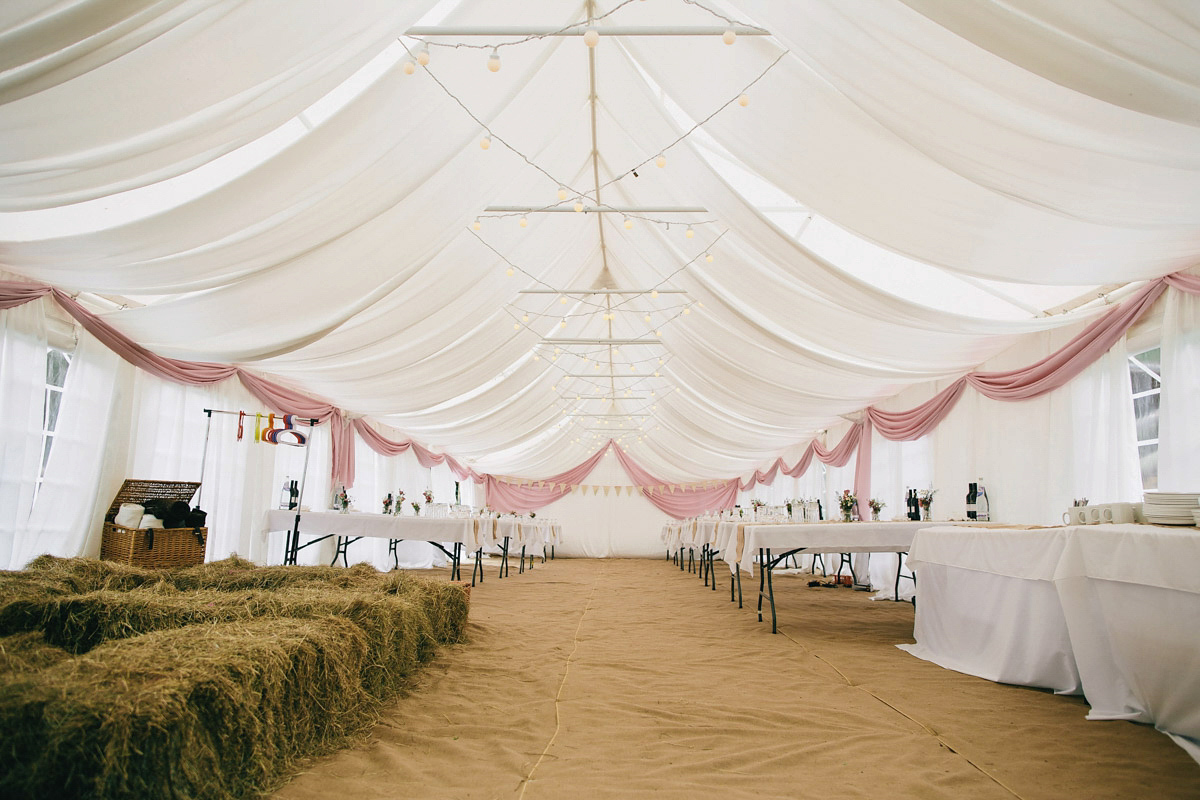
(606, 488)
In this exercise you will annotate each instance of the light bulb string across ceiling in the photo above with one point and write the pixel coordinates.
(492, 136)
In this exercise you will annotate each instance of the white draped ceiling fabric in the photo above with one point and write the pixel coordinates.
(263, 183)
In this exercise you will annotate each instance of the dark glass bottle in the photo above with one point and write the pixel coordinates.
(972, 493)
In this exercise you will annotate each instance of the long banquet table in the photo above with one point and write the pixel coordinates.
(469, 532)
(741, 543)
(1109, 610)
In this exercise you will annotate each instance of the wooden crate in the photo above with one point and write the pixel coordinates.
(156, 548)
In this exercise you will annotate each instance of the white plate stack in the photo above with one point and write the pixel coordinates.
(1170, 508)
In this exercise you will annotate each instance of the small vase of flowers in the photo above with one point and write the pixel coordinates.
(428, 496)
(847, 503)
(876, 507)
(417, 509)
(399, 502)
(341, 501)
(925, 500)
(387, 503)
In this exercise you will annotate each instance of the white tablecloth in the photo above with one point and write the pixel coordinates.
(379, 526)
(814, 537)
(1113, 610)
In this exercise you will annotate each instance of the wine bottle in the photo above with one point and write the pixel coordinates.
(294, 496)
(971, 497)
(983, 511)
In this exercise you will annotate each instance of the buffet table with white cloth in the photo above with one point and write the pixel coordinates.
(1109, 610)
(459, 531)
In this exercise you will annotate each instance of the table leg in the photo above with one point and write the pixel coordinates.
(478, 566)
(393, 553)
(767, 568)
(762, 578)
(521, 569)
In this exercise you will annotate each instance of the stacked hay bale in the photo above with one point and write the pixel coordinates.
(205, 682)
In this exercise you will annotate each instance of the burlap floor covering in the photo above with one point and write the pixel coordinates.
(628, 678)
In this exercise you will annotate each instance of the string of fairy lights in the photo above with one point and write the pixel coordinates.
(579, 364)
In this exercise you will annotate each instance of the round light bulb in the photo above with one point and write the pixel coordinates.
(557, 350)
(524, 318)
(409, 67)
(516, 326)
(687, 310)
(536, 357)
(708, 257)
(485, 142)
(591, 37)
(744, 100)
(647, 318)
(509, 272)
(476, 225)
(729, 37)
(661, 161)
(660, 361)
(524, 223)
(562, 193)
(633, 367)
(654, 293)
(689, 233)
(628, 224)
(562, 324)
(658, 333)
(493, 62)
(562, 301)
(578, 205)
(423, 56)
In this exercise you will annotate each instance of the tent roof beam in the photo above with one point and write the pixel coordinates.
(579, 29)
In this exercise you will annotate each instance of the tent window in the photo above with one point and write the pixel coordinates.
(57, 364)
(1145, 377)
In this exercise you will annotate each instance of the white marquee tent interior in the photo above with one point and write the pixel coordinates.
(711, 252)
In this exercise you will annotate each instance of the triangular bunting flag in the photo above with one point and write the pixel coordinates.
(606, 488)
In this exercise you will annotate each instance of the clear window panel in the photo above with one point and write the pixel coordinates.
(56, 368)
(53, 402)
(1148, 455)
(1145, 413)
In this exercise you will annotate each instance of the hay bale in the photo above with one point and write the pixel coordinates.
(78, 575)
(235, 574)
(400, 631)
(201, 682)
(28, 652)
(211, 711)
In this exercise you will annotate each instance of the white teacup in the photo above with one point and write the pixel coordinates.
(1096, 514)
(1120, 513)
(1075, 515)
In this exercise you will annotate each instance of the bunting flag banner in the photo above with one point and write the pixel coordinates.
(606, 488)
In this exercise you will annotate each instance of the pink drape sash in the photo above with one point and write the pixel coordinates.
(523, 498)
(686, 501)
(1020, 384)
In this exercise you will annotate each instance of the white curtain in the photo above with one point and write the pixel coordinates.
(78, 488)
(22, 398)
(1179, 412)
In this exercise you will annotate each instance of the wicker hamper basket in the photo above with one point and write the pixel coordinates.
(159, 547)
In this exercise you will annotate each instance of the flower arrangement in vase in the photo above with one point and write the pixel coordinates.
(399, 502)
(876, 507)
(847, 503)
(341, 501)
(428, 496)
(925, 501)
(416, 508)
(387, 503)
